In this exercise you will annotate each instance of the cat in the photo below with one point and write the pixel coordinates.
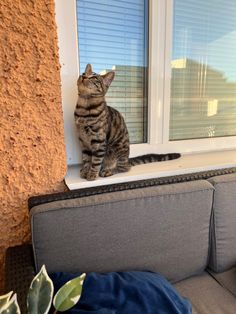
(103, 134)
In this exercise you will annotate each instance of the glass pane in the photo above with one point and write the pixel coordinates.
(203, 85)
(113, 35)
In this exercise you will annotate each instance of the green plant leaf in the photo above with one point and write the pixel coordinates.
(40, 293)
(69, 294)
(11, 307)
(4, 299)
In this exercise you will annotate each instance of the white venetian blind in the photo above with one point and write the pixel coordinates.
(203, 85)
(112, 35)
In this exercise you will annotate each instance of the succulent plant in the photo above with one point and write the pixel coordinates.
(4, 299)
(40, 295)
(9, 305)
(69, 294)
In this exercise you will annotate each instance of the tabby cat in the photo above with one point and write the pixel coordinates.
(102, 130)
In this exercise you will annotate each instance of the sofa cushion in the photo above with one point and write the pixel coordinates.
(206, 295)
(223, 231)
(227, 279)
(163, 229)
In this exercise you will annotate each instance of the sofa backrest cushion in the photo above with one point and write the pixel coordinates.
(223, 226)
(163, 229)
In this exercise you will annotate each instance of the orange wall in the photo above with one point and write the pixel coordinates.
(32, 152)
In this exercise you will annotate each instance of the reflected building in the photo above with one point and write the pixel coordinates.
(203, 101)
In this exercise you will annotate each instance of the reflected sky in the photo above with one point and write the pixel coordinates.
(205, 31)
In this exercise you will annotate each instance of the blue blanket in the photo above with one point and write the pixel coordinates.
(126, 293)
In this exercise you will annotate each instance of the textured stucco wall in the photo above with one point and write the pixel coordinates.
(32, 151)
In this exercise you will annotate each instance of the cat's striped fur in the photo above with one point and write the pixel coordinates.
(102, 130)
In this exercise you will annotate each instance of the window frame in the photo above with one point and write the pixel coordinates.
(159, 78)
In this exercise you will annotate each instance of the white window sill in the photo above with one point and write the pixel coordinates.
(188, 163)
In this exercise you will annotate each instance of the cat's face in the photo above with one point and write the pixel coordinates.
(91, 84)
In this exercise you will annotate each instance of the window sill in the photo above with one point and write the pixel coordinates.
(189, 163)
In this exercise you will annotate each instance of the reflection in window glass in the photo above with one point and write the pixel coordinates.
(203, 84)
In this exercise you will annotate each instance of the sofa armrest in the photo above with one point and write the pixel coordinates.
(19, 272)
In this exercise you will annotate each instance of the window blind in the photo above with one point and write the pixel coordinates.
(203, 66)
(112, 35)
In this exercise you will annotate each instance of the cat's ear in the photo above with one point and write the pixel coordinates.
(108, 78)
(88, 69)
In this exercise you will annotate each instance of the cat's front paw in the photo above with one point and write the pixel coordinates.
(84, 173)
(91, 175)
(106, 173)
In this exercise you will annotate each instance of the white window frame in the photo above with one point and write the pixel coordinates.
(160, 44)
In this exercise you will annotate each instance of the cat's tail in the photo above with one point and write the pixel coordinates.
(145, 159)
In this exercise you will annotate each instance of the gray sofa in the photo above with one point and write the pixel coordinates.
(186, 231)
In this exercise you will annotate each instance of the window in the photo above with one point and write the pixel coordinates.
(203, 69)
(175, 63)
(112, 35)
